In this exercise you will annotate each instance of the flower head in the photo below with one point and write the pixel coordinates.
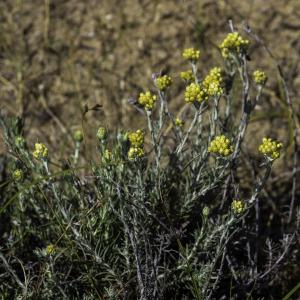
(233, 43)
(40, 151)
(195, 92)
(107, 155)
(178, 122)
(147, 100)
(270, 148)
(78, 136)
(101, 133)
(187, 75)
(191, 54)
(238, 206)
(135, 153)
(213, 81)
(220, 145)
(259, 77)
(18, 175)
(136, 138)
(50, 249)
(136, 149)
(163, 82)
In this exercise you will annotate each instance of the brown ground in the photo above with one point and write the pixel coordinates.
(58, 55)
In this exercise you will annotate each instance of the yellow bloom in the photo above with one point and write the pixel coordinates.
(238, 206)
(220, 145)
(107, 155)
(147, 100)
(163, 82)
(101, 133)
(259, 77)
(187, 75)
(191, 54)
(136, 138)
(213, 81)
(270, 148)
(17, 175)
(178, 122)
(50, 249)
(233, 43)
(40, 151)
(135, 152)
(194, 92)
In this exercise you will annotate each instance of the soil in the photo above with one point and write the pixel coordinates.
(57, 56)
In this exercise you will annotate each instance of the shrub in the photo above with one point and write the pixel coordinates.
(163, 213)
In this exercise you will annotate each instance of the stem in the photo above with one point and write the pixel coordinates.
(76, 154)
(154, 139)
(197, 114)
(262, 182)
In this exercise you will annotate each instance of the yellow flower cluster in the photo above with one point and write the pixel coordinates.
(270, 148)
(191, 54)
(187, 75)
(136, 138)
(259, 77)
(213, 81)
(50, 249)
(135, 153)
(17, 175)
(107, 155)
(233, 43)
(101, 133)
(194, 92)
(178, 122)
(238, 206)
(163, 82)
(220, 145)
(147, 100)
(136, 149)
(40, 151)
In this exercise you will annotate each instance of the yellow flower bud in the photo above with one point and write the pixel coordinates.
(163, 82)
(135, 153)
(220, 145)
(259, 77)
(147, 100)
(191, 54)
(18, 175)
(78, 135)
(233, 43)
(40, 151)
(50, 249)
(212, 82)
(101, 134)
(270, 148)
(178, 122)
(136, 138)
(187, 75)
(194, 92)
(238, 206)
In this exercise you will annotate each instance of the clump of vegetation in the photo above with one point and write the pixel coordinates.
(163, 213)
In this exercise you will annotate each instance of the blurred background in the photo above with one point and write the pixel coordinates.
(57, 56)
